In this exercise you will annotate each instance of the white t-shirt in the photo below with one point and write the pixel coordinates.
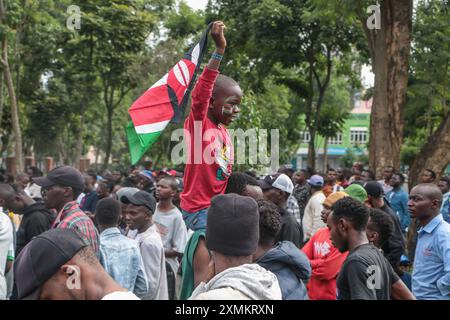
(6, 251)
(152, 251)
(121, 295)
(173, 232)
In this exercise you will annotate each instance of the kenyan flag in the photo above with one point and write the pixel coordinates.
(164, 102)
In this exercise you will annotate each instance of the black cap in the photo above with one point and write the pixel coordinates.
(41, 258)
(374, 189)
(140, 198)
(232, 226)
(65, 176)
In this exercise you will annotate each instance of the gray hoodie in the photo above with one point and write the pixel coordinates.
(246, 282)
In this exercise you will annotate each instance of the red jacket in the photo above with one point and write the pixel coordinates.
(326, 262)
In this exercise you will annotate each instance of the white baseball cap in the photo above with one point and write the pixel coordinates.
(279, 181)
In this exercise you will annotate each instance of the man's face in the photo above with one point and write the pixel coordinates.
(331, 176)
(444, 186)
(116, 176)
(102, 191)
(299, 177)
(340, 173)
(356, 167)
(254, 192)
(325, 213)
(11, 203)
(395, 181)
(53, 196)
(338, 233)
(23, 180)
(426, 177)
(365, 176)
(137, 216)
(357, 174)
(420, 206)
(387, 173)
(88, 183)
(163, 190)
(225, 105)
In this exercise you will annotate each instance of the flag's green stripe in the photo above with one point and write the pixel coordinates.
(139, 143)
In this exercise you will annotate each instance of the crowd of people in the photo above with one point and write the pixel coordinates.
(209, 233)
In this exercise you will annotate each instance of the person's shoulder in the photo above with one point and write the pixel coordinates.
(175, 212)
(444, 231)
(152, 238)
(321, 233)
(124, 240)
(40, 214)
(226, 293)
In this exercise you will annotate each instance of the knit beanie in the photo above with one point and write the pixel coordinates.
(335, 196)
(232, 226)
(356, 192)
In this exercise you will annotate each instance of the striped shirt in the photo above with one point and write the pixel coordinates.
(72, 217)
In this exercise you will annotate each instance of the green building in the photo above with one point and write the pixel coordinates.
(354, 136)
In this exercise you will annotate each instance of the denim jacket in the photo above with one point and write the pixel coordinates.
(398, 200)
(121, 258)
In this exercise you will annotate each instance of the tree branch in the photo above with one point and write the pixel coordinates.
(2, 11)
(370, 34)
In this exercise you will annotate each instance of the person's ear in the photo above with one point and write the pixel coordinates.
(67, 191)
(372, 236)
(211, 268)
(280, 194)
(211, 103)
(72, 275)
(342, 225)
(435, 204)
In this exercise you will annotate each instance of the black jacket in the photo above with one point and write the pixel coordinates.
(36, 219)
(395, 246)
(290, 229)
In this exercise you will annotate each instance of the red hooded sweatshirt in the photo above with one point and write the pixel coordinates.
(326, 262)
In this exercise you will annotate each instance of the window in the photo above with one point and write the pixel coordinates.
(305, 136)
(358, 135)
(336, 140)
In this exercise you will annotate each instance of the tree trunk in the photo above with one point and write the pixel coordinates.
(390, 49)
(79, 137)
(325, 155)
(312, 149)
(434, 154)
(1, 112)
(62, 154)
(108, 138)
(14, 109)
(322, 88)
(1, 97)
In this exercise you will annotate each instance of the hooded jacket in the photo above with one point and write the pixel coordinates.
(291, 267)
(36, 219)
(246, 282)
